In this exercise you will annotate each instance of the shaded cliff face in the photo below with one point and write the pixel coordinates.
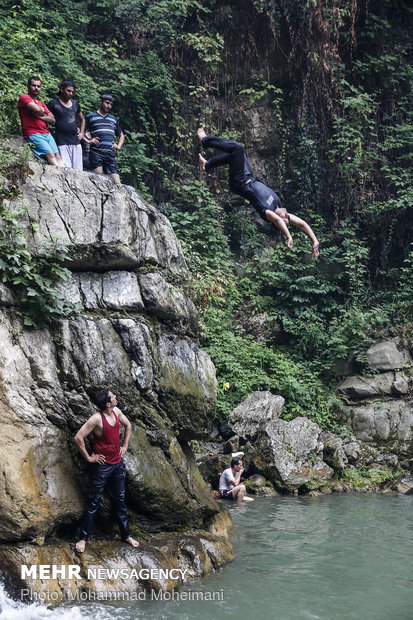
(131, 335)
(379, 405)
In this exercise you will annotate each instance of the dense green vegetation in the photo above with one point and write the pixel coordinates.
(321, 95)
(36, 278)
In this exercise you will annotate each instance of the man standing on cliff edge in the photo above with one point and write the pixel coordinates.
(100, 131)
(34, 115)
(106, 464)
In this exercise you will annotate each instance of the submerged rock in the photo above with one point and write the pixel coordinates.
(258, 485)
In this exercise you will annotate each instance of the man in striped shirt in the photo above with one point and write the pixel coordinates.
(100, 131)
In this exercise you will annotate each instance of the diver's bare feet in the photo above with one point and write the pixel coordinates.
(131, 541)
(80, 546)
(202, 162)
(201, 134)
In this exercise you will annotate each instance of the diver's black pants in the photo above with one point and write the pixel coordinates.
(233, 154)
(100, 475)
(241, 180)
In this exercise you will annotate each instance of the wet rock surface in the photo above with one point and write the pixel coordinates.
(134, 333)
(162, 562)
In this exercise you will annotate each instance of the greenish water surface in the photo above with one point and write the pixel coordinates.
(338, 556)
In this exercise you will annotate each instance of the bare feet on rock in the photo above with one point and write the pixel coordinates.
(131, 541)
(80, 546)
(201, 134)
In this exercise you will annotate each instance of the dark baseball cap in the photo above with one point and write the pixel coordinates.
(106, 97)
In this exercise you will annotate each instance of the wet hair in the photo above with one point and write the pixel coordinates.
(66, 83)
(33, 78)
(102, 398)
(235, 462)
(106, 97)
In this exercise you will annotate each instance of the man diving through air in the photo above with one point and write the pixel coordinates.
(243, 183)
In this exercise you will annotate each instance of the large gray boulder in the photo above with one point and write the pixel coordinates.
(290, 454)
(339, 452)
(366, 387)
(165, 300)
(113, 290)
(107, 226)
(254, 412)
(386, 424)
(388, 355)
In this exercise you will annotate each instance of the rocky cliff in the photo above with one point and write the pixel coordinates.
(379, 403)
(134, 333)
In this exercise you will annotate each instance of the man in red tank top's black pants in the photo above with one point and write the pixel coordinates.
(107, 464)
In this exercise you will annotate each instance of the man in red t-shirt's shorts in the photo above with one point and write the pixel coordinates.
(33, 116)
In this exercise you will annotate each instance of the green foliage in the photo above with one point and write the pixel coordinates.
(338, 82)
(35, 278)
(198, 220)
(367, 477)
(242, 364)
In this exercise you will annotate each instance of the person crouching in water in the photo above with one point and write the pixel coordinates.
(229, 482)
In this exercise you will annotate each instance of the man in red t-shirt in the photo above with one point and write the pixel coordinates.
(33, 116)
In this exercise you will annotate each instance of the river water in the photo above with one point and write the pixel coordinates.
(337, 556)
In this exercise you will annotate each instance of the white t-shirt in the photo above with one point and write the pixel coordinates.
(225, 480)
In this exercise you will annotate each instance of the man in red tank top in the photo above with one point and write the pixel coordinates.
(107, 464)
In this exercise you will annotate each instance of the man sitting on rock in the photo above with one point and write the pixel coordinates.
(107, 464)
(229, 482)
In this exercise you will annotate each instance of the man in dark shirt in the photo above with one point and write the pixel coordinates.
(101, 129)
(67, 134)
(243, 183)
